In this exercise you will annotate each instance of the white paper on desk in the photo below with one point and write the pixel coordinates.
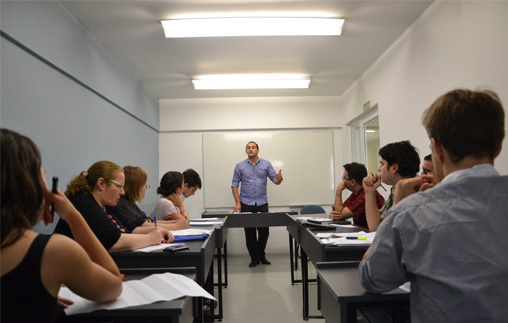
(176, 285)
(343, 241)
(190, 232)
(204, 219)
(203, 223)
(406, 287)
(154, 288)
(324, 235)
(343, 225)
(320, 220)
(157, 247)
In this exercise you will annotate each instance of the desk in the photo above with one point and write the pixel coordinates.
(199, 255)
(312, 248)
(252, 220)
(340, 294)
(221, 234)
(175, 311)
(247, 220)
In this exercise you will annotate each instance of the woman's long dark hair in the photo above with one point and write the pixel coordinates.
(22, 185)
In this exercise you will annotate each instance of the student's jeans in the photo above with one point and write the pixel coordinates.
(256, 244)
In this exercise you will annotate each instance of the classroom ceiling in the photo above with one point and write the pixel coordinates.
(132, 31)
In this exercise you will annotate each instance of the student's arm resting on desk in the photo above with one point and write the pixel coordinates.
(383, 269)
(82, 264)
(370, 185)
(168, 225)
(339, 212)
(133, 241)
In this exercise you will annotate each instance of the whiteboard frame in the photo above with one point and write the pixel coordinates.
(316, 176)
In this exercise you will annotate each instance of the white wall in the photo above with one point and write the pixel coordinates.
(63, 89)
(453, 44)
(183, 122)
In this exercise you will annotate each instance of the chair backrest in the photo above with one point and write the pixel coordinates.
(312, 209)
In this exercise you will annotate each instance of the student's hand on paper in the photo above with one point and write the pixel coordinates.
(278, 177)
(167, 236)
(177, 201)
(64, 302)
(237, 208)
(409, 186)
(371, 183)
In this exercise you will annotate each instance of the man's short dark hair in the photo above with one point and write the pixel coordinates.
(403, 154)
(356, 171)
(191, 178)
(428, 157)
(467, 123)
(253, 142)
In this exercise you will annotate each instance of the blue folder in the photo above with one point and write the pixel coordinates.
(190, 238)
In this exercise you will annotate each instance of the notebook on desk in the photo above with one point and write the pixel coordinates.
(190, 238)
(322, 225)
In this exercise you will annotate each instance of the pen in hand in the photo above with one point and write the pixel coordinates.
(379, 183)
(155, 221)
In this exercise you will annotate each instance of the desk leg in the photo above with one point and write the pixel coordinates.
(305, 284)
(291, 264)
(226, 263)
(210, 284)
(219, 275)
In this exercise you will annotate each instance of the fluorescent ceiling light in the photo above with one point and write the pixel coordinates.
(255, 26)
(235, 82)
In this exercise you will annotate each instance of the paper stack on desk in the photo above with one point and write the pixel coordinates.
(341, 239)
(151, 289)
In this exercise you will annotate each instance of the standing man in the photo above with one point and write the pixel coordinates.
(354, 206)
(253, 173)
(450, 241)
(191, 183)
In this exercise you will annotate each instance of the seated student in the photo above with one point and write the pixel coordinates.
(398, 160)
(34, 266)
(129, 213)
(191, 183)
(427, 168)
(92, 192)
(170, 206)
(450, 241)
(354, 206)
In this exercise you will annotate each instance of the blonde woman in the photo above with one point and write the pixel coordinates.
(93, 193)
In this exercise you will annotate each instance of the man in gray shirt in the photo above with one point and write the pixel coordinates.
(450, 241)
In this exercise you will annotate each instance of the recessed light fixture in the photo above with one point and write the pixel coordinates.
(251, 81)
(253, 26)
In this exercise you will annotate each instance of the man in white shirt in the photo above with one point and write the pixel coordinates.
(450, 241)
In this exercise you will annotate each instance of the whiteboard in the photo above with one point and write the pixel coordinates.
(305, 158)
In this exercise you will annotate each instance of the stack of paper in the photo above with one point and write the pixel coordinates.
(341, 239)
(151, 289)
(190, 232)
(204, 221)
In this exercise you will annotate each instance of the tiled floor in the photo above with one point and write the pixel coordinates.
(264, 293)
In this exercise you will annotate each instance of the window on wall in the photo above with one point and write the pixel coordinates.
(365, 139)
